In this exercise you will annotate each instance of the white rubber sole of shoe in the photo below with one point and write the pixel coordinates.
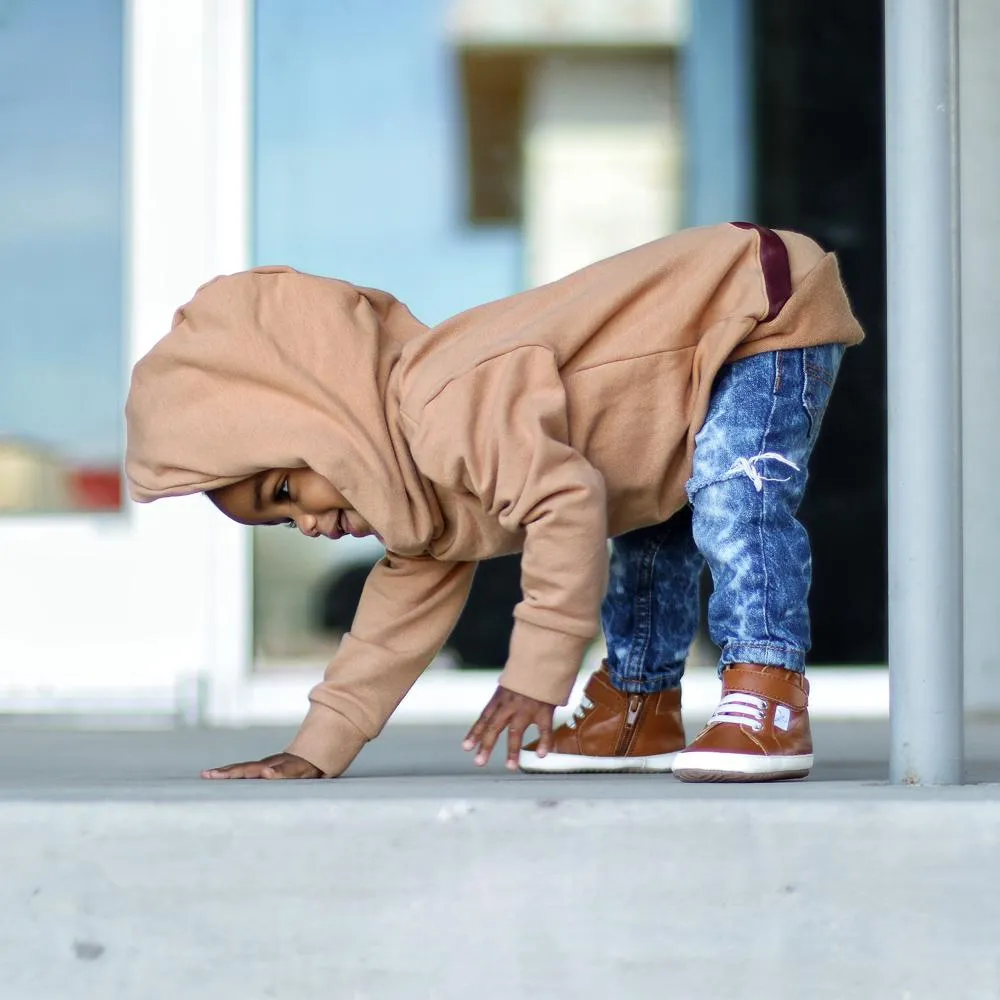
(706, 765)
(570, 763)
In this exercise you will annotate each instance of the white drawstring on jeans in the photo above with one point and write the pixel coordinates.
(748, 466)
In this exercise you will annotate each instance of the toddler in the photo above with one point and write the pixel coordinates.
(667, 398)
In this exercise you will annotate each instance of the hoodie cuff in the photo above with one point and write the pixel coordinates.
(543, 663)
(328, 740)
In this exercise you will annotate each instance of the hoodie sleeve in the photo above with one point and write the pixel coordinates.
(501, 433)
(406, 613)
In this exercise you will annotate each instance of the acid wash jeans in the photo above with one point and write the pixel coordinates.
(748, 479)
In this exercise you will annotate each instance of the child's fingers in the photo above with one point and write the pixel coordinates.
(474, 736)
(544, 734)
(278, 766)
(232, 771)
(515, 737)
(471, 740)
(491, 731)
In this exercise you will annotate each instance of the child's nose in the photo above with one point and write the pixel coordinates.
(308, 525)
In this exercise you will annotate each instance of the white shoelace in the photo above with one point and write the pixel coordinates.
(581, 710)
(741, 710)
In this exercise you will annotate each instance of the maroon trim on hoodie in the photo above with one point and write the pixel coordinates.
(774, 264)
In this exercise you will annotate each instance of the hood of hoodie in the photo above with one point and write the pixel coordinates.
(272, 369)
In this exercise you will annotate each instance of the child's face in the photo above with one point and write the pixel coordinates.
(292, 496)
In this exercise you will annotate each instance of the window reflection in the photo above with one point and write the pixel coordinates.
(361, 174)
(61, 382)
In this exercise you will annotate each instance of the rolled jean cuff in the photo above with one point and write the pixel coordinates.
(766, 654)
(663, 679)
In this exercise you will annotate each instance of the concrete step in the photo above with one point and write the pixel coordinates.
(418, 876)
(818, 890)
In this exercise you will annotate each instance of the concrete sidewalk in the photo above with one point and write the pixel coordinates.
(417, 877)
(82, 759)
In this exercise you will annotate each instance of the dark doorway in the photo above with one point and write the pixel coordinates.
(820, 169)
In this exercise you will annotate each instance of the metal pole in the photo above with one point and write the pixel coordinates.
(924, 394)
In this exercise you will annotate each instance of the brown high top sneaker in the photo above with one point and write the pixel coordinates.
(613, 731)
(759, 732)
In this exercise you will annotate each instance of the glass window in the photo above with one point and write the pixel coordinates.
(61, 344)
(361, 174)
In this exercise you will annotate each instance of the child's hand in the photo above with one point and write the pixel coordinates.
(513, 712)
(275, 767)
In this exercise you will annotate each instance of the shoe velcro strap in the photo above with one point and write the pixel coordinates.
(768, 687)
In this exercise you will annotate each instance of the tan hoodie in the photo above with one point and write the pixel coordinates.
(545, 422)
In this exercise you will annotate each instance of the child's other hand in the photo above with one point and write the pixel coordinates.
(513, 712)
(274, 768)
